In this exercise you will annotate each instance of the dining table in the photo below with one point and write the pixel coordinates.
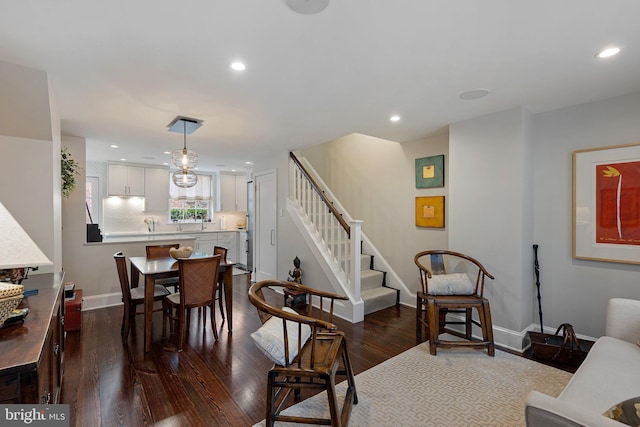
(160, 268)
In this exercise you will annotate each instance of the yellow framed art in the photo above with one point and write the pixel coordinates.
(430, 211)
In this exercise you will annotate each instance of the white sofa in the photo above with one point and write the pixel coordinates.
(609, 375)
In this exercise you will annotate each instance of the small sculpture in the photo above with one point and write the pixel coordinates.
(295, 275)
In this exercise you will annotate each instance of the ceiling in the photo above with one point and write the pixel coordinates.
(122, 70)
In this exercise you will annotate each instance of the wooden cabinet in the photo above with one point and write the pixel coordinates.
(232, 192)
(32, 362)
(125, 180)
(156, 189)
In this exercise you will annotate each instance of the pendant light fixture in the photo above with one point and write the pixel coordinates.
(185, 160)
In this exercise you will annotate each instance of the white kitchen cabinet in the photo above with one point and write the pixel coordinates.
(232, 192)
(241, 192)
(206, 243)
(156, 189)
(125, 180)
(243, 248)
(227, 239)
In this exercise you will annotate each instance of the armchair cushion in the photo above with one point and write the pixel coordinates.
(270, 338)
(450, 284)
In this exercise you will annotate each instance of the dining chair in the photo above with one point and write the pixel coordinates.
(447, 288)
(198, 284)
(132, 297)
(308, 353)
(222, 251)
(162, 251)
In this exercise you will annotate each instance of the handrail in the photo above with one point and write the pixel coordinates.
(317, 189)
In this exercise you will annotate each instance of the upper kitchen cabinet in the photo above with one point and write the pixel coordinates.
(124, 180)
(156, 189)
(232, 192)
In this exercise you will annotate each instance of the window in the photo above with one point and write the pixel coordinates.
(191, 204)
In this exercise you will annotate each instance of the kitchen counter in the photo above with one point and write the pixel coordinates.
(155, 237)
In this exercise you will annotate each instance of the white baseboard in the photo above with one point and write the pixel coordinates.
(509, 339)
(95, 302)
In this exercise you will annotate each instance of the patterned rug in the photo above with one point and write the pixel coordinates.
(458, 387)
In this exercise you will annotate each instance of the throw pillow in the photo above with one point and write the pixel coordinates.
(627, 412)
(270, 338)
(450, 284)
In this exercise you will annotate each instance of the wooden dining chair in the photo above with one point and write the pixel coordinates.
(309, 353)
(162, 251)
(447, 288)
(222, 251)
(132, 297)
(198, 285)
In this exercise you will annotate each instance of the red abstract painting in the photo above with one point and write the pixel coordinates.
(618, 203)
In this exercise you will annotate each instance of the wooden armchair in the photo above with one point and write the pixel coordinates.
(308, 353)
(446, 292)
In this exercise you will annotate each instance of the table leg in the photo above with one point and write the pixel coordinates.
(135, 276)
(149, 287)
(227, 280)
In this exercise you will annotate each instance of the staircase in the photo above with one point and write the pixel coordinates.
(337, 243)
(373, 287)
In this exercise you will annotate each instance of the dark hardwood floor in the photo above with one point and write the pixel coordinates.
(221, 383)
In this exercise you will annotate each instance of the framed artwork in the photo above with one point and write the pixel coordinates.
(606, 204)
(430, 172)
(430, 211)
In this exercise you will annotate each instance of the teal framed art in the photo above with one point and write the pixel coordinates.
(430, 172)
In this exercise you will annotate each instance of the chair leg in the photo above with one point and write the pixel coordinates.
(270, 396)
(213, 320)
(434, 326)
(333, 403)
(181, 327)
(349, 371)
(220, 293)
(126, 323)
(419, 314)
(467, 316)
(487, 328)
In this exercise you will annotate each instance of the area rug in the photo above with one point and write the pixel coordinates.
(455, 388)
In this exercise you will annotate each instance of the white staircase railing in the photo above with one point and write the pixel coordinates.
(339, 238)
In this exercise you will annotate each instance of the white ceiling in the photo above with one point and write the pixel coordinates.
(122, 70)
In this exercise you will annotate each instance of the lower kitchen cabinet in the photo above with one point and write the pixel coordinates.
(227, 239)
(32, 362)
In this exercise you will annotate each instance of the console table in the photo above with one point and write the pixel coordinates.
(32, 361)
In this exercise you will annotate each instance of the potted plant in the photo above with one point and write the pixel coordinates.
(69, 169)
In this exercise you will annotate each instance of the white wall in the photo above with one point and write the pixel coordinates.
(576, 291)
(490, 220)
(30, 172)
(374, 179)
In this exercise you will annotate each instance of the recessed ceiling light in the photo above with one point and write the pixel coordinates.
(307, 7)
(167, 152)
(238, 66)
(165, 163)
(394, 118)
(474, 94)
(123, 160)
(113, 146)
(248, 163)
(608, 52)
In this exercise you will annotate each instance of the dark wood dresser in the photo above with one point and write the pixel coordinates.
(32, 352)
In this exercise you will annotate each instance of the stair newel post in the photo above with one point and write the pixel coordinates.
(355, 251)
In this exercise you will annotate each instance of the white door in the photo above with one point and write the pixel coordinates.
(265, 230)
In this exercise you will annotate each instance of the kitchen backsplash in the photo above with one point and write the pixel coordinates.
(126, 214)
